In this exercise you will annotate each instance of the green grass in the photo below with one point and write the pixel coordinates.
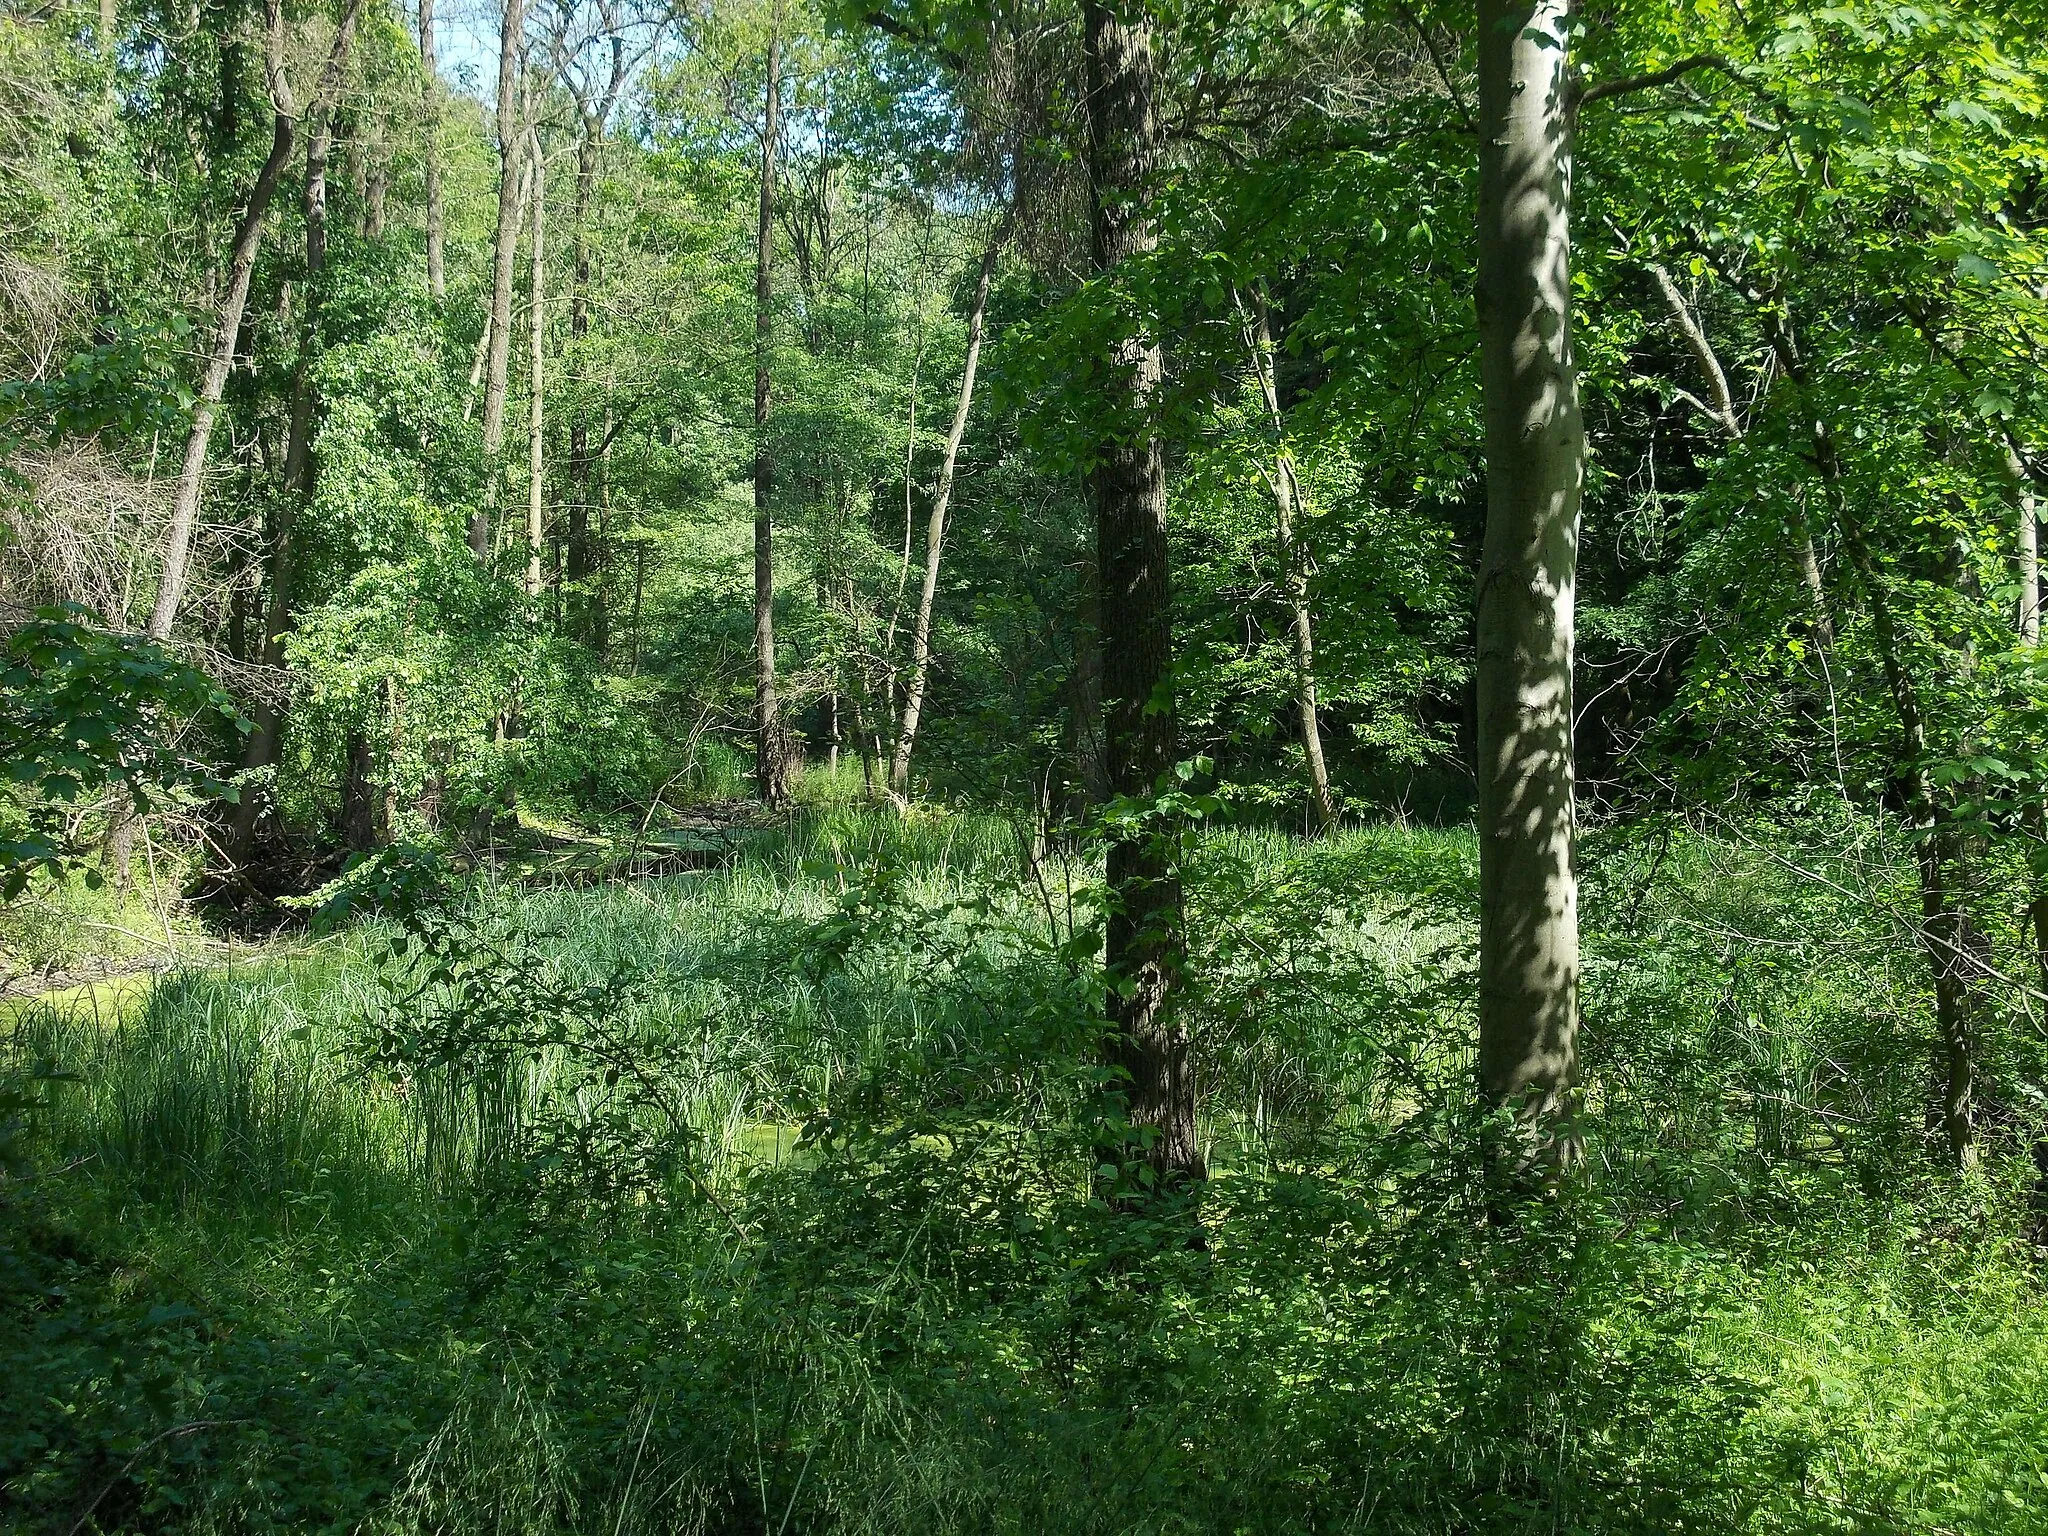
(492, 1290)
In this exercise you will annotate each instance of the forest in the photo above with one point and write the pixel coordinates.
(1040, 766)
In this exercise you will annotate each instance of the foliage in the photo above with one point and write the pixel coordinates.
(478, 1288)
(84, 712)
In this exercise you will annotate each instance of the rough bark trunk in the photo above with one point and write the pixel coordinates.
(504, 253)
(1144, 953)
(1294, 575)
(358, 793)
(935, 530)
(430, 154)
(771, 768)
(1535, 464)
(536, 448)
(1946, 931)
(261, 750)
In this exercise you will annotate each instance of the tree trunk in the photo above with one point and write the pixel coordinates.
(2029, 620)
(771, 765)
(504, 253)
(935, 530)
(1946, 931)
(639, 584)
(1294, 577)
(1144, 952)
(261, 750)
(581, 600)
(1535, 466)
(480, 354)
(358, 793)
(430, 154)
(2029, 546)
(586, 617)
(228, 329)
(536, 448)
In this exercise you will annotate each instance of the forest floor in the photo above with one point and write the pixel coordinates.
(755, 1196)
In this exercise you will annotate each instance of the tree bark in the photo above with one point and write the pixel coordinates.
(585, 605)
(935, 530)
(1286, 488)
(430, 154)
(261, 750)
(504, 253)
(1535, 467)
(536, 450)
(1949, 937)
(1144, 950)
(771, 761)
(579, 565)
(2028, 542)
(228, 328)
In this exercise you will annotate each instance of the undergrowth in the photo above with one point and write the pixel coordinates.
(760, 1199)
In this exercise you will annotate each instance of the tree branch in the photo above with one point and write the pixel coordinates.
(1633, 83)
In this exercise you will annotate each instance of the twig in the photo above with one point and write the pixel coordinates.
(170, 1434)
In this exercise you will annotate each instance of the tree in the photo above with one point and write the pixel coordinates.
(1286, 488)
(1535, 474)
(1127, 483)
(504, 258)
(771, 762)
(262, 748)
(935, 532)
(430, 154)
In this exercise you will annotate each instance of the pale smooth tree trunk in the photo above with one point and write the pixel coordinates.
(430, 154)
(2028, 543)
(536, 450)
(1286, 487)
(771, 762)
(504, 259)
(481, 352)
(1144, 949)
(1535, 469)
(935, 529)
